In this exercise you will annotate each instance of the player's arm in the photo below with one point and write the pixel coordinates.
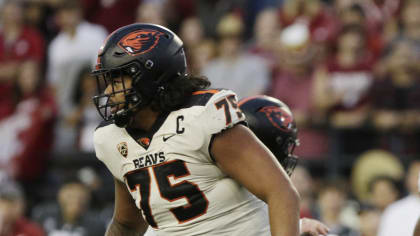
(244, 158)
(417, 229)
(127, 219)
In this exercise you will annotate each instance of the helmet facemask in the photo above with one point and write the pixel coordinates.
(117, 111)
(285, 153)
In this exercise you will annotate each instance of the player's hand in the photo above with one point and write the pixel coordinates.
(310, 227)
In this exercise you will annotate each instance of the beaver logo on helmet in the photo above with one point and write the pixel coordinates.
(140, 41)
(150, 54)
(278, 117)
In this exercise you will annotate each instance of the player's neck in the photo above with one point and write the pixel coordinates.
(144, 119)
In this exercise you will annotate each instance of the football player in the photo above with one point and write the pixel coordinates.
(179, 151)
(273, 123)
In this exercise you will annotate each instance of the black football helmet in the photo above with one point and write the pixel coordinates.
(150, 54)
(272, 122)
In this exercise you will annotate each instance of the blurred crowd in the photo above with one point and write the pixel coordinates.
(348, 69)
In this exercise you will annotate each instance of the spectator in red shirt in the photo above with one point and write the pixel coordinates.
(17, 42)
(356, 15)
(378, 12)
(112, 13)
(321, 22)
(342, 90)
(27, 132)
(293, 84)
(12, 208)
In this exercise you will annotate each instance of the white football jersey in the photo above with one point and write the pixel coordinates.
(172, 177)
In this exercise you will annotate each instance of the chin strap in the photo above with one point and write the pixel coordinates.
(121, 118)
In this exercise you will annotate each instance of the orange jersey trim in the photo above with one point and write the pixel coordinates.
(205, 91)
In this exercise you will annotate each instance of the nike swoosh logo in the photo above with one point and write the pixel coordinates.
(166, 138)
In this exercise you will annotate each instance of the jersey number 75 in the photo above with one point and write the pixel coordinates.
(140, 180)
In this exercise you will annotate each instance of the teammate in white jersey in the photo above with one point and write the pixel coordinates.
(178, 151)
(273, 123)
